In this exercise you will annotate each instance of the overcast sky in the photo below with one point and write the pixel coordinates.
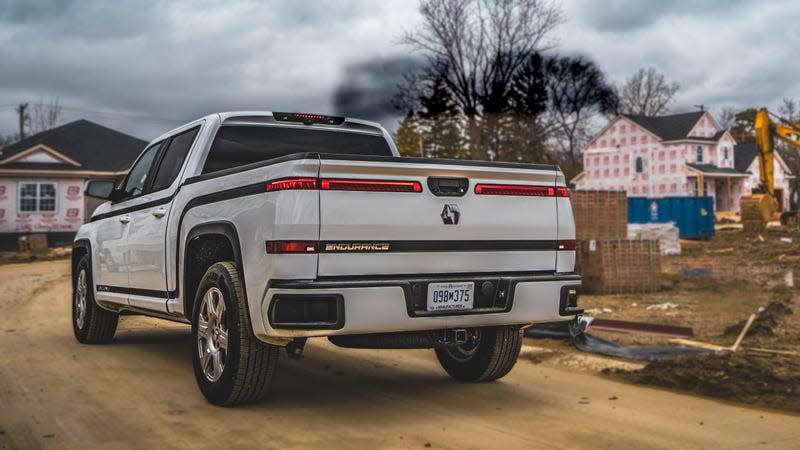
(144, 67)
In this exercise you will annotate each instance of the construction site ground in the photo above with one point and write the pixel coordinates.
(140, 391)
(712, 287)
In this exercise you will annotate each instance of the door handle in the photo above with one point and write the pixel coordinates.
(125, 219)
(160, 212)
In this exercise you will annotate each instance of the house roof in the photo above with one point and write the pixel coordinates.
(78, 145)
(710, 169)
(744, 153)
(669, 128)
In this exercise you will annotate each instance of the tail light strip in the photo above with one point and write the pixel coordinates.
(520, 189)
(341, 184)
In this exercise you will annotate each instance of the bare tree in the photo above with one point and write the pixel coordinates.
(476, 47)
(727, 117)
(6, 140)
(45, 115)
(647, 93)
(790, 109)
(577, 92)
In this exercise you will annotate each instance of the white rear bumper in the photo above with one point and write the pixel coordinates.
(384, 306)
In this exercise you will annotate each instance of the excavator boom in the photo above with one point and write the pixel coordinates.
(757, 209)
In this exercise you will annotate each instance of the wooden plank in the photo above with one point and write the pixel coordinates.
(705, 345)
(744, 331)
(653, 329)
(770, 351)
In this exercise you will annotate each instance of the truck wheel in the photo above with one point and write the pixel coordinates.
(90, 323)
(231, 366)
(488, 354)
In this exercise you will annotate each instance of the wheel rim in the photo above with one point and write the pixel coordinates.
(212, 334)
(464, 352)
(80, 299)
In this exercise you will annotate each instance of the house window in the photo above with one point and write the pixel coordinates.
(699, 154)
(639, 164)
(725, 152)
(37, 197)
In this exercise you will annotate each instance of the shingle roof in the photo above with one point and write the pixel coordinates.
(711, 169)
(94, 146)
(743, 155)
(668, 128)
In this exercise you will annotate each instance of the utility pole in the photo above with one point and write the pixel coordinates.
(23, 116)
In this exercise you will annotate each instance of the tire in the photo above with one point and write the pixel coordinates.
(91, 324)
(231, 366)
(489, 354)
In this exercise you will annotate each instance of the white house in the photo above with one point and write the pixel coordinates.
(42, 178)
(675, 155)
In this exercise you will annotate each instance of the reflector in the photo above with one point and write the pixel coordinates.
(283, 247)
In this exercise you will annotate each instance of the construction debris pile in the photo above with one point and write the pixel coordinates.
(665, 233)
(608, 261)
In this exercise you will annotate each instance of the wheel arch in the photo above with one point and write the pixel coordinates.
(206, 244)
(80, 248)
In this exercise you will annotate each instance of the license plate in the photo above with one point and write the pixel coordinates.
(450, 296)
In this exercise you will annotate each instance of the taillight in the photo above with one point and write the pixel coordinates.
(569, 244)
(292, 247)
(521, 189)
(285, 184)
(338, 184)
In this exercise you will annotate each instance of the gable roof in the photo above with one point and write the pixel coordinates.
(743, 155)
(746, 152)
(668, 128)
(91, 146)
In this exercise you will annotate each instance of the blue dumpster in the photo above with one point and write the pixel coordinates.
(694, 216)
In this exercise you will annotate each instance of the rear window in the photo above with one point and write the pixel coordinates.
(236, 145)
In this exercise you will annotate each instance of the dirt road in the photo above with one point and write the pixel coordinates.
(140, 392)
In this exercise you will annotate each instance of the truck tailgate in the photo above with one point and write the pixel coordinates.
(365, 230)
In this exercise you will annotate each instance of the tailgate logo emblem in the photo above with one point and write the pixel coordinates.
(451, 214)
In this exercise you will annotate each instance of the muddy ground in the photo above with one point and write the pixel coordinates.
(713, 287)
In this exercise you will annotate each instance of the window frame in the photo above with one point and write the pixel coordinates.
(638, 164)
(150, 172)
(725, 152)
(162, 152)
(699, 154)
(38, 197)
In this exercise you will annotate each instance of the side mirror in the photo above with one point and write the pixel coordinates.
(102, 189)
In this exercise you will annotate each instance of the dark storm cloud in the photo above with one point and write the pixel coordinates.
(368, 87)
(93, 19)
(146, 66)
(625, 15)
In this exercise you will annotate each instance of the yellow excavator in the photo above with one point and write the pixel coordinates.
(758, 209)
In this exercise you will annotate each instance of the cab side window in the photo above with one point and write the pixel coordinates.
(137, 177)
(173, 158)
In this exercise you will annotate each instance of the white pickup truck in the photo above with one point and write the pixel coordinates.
(264, 229)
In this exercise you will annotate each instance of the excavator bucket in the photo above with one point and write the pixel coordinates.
(756, 211)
